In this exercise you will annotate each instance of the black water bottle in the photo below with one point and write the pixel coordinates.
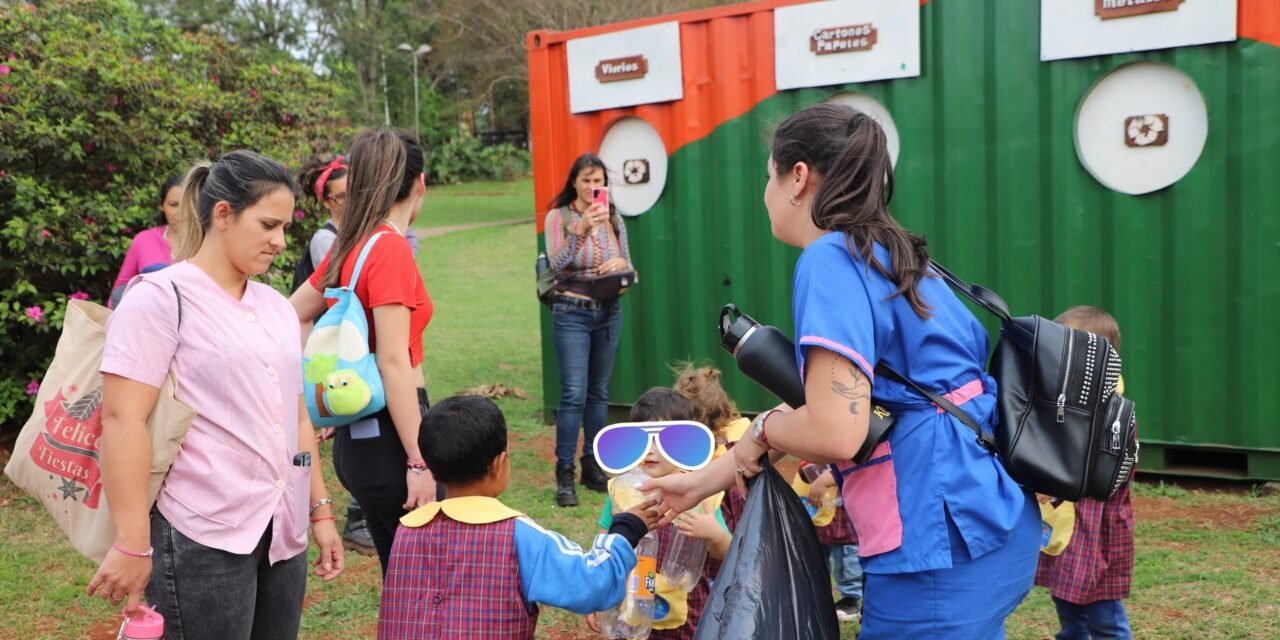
(768, 356)
(764, 353)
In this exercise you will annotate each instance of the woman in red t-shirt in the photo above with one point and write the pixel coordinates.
(377, 458)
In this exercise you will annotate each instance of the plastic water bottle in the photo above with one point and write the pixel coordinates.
(682, 565)
(147, 626)
(624, 493)
(632, 619)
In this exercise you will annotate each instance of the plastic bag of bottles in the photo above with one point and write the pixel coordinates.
(774, 581)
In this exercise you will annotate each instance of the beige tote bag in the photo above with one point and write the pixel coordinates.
(56, 458)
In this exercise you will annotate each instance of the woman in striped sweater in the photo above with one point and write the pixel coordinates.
(587, 246)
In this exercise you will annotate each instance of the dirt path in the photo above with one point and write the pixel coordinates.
(431, 232)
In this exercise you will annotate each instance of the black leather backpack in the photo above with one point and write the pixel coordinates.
(1063, 429)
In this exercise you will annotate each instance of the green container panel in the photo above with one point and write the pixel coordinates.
(988, 171)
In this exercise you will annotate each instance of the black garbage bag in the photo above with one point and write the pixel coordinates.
(773, 584)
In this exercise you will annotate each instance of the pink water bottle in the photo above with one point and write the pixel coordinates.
(149, 625)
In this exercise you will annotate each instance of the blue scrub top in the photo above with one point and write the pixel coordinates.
(931, 474)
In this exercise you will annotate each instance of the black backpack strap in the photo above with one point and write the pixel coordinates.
(986, 440)
(980, 295)
(177, 294)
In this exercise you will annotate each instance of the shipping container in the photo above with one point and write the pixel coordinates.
(997, 156)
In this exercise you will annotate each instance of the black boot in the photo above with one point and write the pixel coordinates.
(566, 496)
(593, 477)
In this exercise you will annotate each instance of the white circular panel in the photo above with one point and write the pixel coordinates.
(637, 162)
(1141, 128)
(873, 108)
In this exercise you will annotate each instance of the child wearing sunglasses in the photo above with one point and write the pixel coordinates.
(470, 563)
(660, 440)
(711, 404)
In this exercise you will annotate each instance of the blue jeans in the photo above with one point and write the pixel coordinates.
(586, 343)
(846, 569)
(1102, 620)
(209, 594)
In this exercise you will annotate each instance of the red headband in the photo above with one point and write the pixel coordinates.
(337, 163)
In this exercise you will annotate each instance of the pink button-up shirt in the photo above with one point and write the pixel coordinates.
(238, 364)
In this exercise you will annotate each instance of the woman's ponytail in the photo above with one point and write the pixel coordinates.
(190, 231)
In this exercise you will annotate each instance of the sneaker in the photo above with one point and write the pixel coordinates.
(356, 537)
(848, 610)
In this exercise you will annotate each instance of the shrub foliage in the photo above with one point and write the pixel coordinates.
(98, 105)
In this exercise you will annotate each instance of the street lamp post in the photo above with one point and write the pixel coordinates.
(417, 113)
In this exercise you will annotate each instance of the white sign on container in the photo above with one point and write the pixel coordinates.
(841, 41)
(636, 158)
(1079, 28)
(1141, 128)
(625, 68)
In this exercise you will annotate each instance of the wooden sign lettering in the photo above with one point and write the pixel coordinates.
(1108, 9)
(858, 37)
(628, 68)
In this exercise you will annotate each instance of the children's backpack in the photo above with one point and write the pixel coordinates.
(341, 382)
(1063, 429)
(305, 266)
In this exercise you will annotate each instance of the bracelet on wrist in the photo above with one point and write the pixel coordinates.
(323, 518)
(322, 502)
(758, 428)
(145, 554)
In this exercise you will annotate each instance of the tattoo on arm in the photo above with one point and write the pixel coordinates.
(859, 392)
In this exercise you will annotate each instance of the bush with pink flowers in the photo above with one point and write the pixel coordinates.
(98, 105)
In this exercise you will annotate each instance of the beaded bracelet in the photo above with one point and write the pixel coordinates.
(321, 503)
(144, 554)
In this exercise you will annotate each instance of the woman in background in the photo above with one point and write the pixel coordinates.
(150, 251)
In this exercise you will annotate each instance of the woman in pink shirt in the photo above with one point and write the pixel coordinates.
(227, 536)
(150, 249)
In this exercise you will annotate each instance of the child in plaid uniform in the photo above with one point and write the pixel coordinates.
(469, 566)
(840, 543)
(663, 404)
(1092, 575)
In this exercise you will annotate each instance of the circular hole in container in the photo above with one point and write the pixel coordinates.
(1141, 128)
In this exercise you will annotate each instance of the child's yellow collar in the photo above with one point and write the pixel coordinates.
(471, 510)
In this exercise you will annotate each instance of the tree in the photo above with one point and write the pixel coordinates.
(482, 42)
(98, 105)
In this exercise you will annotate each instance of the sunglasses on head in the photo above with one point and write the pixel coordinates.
(687, 444)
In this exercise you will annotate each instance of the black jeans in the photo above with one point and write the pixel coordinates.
(373, 470)
(209, 594)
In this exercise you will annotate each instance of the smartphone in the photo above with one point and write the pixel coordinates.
(600, 195)
(811, 472)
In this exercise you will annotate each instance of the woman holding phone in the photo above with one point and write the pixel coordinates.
(587, 247)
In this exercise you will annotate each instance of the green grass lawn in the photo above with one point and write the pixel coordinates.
(1208, 561)
(477, 202)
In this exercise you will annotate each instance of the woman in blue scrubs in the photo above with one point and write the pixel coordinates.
(948, 541)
